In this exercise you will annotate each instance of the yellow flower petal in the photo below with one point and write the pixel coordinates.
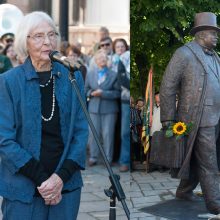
(179, 128)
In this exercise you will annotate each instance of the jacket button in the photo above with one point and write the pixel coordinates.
(59, 74)
(200, 89)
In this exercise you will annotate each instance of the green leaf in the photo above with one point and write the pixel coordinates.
(170, 127)
(169, 133)
(162, 26)
(178, 137)
(189, 127)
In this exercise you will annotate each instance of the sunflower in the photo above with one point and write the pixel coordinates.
(179, 128)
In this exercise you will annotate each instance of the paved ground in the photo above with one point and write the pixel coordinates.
(148, 189)
(142, 189)
(94, 203)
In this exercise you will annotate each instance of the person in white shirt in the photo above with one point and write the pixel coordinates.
(156, 124)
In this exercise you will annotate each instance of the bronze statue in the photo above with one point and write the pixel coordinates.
(193, 74)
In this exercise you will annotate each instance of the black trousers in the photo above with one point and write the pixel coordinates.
(204, 169)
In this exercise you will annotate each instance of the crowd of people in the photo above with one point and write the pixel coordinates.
(137, 124)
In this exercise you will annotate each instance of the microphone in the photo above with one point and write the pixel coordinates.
(67, 62)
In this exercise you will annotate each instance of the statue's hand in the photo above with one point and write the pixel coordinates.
(166, 124)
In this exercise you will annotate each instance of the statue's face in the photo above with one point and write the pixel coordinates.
(210, 38)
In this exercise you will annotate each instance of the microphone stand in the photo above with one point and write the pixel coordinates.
(115, 190)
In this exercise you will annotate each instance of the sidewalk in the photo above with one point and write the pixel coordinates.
(94, 203)
(148, 189)
(142, 189)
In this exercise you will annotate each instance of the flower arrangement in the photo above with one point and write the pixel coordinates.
(179, 129)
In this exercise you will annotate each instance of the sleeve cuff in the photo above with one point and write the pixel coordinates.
(34, 170)
(68, 168)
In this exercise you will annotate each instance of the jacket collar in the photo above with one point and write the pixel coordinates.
(199, 53)
(217, 57)
(30, 72)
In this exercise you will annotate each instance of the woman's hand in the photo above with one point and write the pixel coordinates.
(51, 189)
(54, 200)
(97, 93)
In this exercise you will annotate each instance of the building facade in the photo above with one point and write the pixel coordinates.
(85, 17)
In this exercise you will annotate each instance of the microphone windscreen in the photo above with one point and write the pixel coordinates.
(51, 54)
(67, 62)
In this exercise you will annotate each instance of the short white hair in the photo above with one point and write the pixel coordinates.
(28, 23)
(99, 53)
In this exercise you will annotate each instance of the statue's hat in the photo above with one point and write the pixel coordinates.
(204, 21)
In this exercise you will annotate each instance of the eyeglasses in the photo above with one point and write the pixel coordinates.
(120, 46)
(40, 37)
(9, 41)
(107, 45)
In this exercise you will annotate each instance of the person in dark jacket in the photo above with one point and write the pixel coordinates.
(5, 63)
(124, 82)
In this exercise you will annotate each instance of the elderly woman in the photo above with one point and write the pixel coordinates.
(43, 131)
(102, 92)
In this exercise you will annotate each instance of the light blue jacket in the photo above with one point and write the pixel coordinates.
(20, 127)
(107, 103)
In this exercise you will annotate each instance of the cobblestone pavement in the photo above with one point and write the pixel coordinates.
(148, 189)
(142, 189)
(94, 203)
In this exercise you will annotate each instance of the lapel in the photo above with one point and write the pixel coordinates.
(94, 75)
(31, 106)
(217, 57)
(218, 61)
(214, 72)
(198, 52)
(103, 84)
(62, 93)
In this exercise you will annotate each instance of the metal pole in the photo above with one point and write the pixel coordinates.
(63, 19)
(116, 189)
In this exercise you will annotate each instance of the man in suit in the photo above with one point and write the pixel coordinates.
(194, 74)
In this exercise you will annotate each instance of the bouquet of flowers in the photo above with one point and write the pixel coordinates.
(179, 129)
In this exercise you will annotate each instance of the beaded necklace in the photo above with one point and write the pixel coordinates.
(48, 82)
(53, 102)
